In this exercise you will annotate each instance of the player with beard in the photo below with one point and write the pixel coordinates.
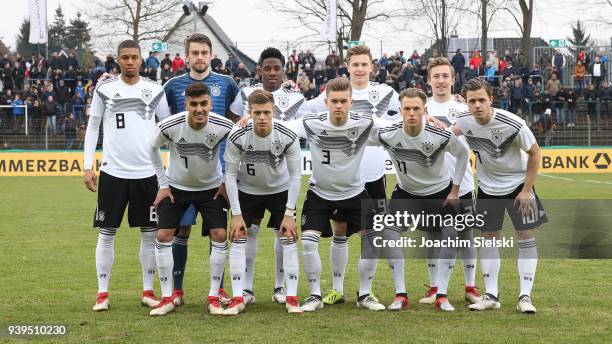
(223, 90)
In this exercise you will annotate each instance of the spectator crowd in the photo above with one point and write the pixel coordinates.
(57, 91)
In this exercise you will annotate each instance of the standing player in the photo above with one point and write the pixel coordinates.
(128, 105)
(223, 90)
(507, 162)
(288, 105)
(337, 141)
(193, 178)
(424, 181)
(381, 101)
(444, 107)
(263, 172)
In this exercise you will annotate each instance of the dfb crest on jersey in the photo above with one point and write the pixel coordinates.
(453, 113)
(374, 96)
(211, 140)
(427, 147)
(352, 133)
(283, 102)
(147, 95)
(277, 148)
(496, 137)
(100, 215)
(215, 90)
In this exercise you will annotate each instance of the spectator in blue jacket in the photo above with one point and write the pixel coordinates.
(153, 63)
(18, 111)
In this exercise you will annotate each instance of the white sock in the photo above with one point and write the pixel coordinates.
(312, 261)
(527, 263)
(338, 254)
(251, 253)
(217, 265)
(395, 258)
(237, 263)
(147, 257)
(367, 266)
(165, 262)
(105, 255)
(291, 262)
(279, 272)
(468, 257)
(490, 263)
(446, 261)
(432, 258)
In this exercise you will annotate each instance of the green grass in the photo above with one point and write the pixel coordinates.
(47, 275)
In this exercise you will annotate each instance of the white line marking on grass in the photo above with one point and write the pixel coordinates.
(597, 181)
(555, 177)
(573, 180)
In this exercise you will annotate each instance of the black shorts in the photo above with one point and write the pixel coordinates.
(377, 191)
(213, 211)
(317, 212)
(493, 209)
(253, 207)
(428, 205)
(115, 194)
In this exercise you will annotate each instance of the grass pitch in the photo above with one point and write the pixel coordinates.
(47, 275)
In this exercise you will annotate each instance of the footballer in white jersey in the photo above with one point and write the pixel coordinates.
(128, 106)
(288, 105)
(444, 106)
(193, 177)
(337, 141)
(263, 172)
(508, 159)
(424, 183)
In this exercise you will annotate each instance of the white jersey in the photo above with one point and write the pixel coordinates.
(128, 114)
(336, 152)
(447, 113)
(193, 163)
(420, 160)
(263, 165)
(500, 146)
(375, 99)
(288, 104)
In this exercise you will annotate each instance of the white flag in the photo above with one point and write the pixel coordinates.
(328, 33)
(38, 21)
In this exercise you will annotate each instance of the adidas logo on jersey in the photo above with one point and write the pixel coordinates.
(469, 132)
(117, 95)
(182, 140)
(324, 133)
(399, 144)
(250, 147)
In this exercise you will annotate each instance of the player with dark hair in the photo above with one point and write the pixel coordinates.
(128, 105)
(193, 178)
(507, 163)
(223, 90)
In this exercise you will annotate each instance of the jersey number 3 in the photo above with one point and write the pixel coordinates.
(120, 117)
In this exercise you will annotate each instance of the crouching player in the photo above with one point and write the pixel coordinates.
(193, 177)
(507, 162)
(425, 185)
(262, 165)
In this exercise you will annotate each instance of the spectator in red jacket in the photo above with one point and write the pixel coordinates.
(178, 63)
(476, 61)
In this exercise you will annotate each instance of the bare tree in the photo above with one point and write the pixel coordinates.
(140, 20)
(523, 17)
(352, 16)
(442, 16)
